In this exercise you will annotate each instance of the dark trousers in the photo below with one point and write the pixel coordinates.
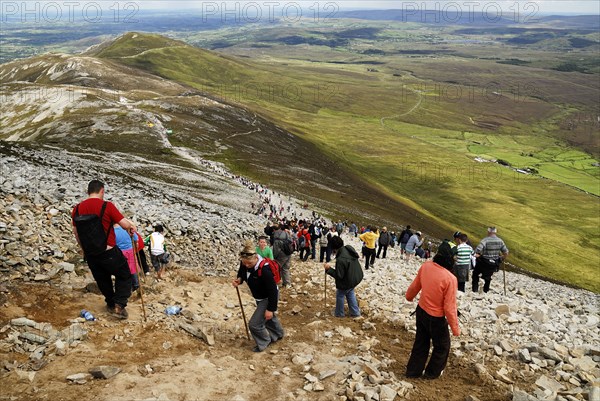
(104, 266)
(304, 253)
(143, 261)
(486, 270)
(322, 254)
(369, 257)
(313, 248)
(434, 330)
(384, 247)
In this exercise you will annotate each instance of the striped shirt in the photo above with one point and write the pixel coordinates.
(463, 253)
(491, 247)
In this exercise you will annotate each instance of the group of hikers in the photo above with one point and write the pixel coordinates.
(110, 243)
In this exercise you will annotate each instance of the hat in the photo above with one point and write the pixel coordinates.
(456, 234)
(418, 233)
(248, 250)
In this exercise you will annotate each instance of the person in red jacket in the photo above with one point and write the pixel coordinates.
(304, 250)
(435, 311)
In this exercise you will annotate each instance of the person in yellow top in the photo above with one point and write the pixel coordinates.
(370, 239)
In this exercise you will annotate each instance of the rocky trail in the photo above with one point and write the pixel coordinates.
(540, 341)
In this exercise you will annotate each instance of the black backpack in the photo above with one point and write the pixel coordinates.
(90, 231)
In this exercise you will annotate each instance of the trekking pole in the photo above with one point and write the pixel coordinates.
(504, 274)
(243, 314)
(325, 290)
(137, 269)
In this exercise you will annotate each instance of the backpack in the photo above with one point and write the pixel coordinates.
(287, 246)
(301, 241)
(405, 238)
(275, 269)
(90, 231)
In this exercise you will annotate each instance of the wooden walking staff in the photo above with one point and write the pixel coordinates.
(139, 261)
(504, 274)
(325, 290)
(137, 269)
(243, 314)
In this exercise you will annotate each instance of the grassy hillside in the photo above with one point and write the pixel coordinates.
(396, 125)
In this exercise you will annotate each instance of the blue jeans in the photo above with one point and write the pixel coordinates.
(352, 303)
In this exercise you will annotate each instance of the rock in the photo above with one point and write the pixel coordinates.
(310, 378)
(524, 355)
(67, 267)
(23, 321)
(79, 378)
(302, 359)
(61, 348)
(297, 309)
(386, 393)
(505, 345)
(345, 332)
(502, 310)
(318, 386)
(93, 288)
(75, 332)
(546, 383)
(328, 373)
(472, 398)
(201, 332)
(371, 370)
(585, 363)
(34, 338)
(41, 277)
(24, 376)
(539, 316)
(104, 372)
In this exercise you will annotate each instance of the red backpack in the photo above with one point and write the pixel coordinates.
(275, 269)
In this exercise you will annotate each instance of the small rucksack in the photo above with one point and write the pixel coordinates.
(287, 246)
(274, 266)
(301, 241)
(90, 231)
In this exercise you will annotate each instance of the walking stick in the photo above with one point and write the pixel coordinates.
(504, 274)
(137, 269)
(243, 314)
(325, 290)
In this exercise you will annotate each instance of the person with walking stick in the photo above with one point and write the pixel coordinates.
(265, 326)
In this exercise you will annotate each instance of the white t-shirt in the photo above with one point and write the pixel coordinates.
(157, 242)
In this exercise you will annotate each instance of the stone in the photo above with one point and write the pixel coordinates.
(505, 345)
(201, 332)
(67, 267)
(325, 374)
(502, 310)
(297, 309)
(79, 378)
(24, 376)
(302, 359)
(61, 348)
(371, 370)
(539, 316)
(524, 355)
(345, 332)
(34, 338)
(318, 386)
(310, 378)
(104, 372)
(584, 363)
(386, 393)
(546, 383)
(23, 321)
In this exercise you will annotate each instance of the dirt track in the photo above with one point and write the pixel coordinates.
(160, 361)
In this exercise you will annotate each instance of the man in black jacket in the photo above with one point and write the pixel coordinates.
(264, 324)
(347, 273)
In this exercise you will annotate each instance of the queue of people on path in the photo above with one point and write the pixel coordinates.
(111, 246)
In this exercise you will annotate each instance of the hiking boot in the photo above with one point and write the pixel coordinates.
(120, 312)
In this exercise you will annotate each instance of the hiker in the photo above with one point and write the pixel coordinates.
(323, 243)
(353, 230)
(281, 236)
(96, 237)
(435, 310)
(123, 242)
(490, 253)
(303, 243)
(462, 257)
(264, 324)
(315, 234)
(404, 237)
(263, 249)
(385, 239)
(158, 250)
(413, 242)
(369, 238)
(328, 252)
(347, 274)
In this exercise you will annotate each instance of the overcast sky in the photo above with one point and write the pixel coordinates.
(541, 6)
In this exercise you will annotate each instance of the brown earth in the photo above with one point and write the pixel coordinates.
(186, 368)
